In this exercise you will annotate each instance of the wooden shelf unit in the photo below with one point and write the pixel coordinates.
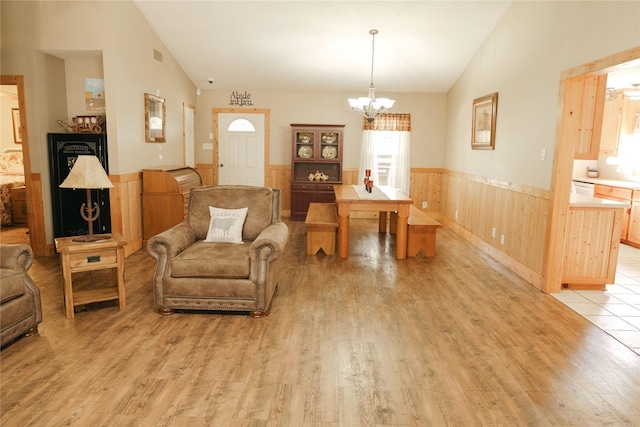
(316, 148)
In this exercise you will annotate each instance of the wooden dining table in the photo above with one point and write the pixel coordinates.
(355, 198)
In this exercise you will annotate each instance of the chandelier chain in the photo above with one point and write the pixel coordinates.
(370, 106)
(373, 49)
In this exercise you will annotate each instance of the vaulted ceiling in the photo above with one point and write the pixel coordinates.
(422, 46)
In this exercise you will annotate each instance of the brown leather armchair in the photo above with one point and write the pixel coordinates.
(192, 274)
(20, 303)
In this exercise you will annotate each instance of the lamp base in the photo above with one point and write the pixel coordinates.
(92, 238)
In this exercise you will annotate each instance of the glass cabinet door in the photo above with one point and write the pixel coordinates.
(305, 141)
(329, 145)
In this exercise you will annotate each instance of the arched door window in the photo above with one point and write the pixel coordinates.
(241, 125)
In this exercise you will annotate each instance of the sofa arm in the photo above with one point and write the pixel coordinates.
(16, 257)
(172, 241)
(275, 237)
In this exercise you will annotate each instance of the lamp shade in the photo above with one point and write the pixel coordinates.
(87, 172)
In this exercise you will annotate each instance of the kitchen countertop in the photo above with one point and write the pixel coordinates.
(612, 182)
(582, 201)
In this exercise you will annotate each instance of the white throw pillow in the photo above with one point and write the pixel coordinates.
(225, 225)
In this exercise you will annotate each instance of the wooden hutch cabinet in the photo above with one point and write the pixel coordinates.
(317, 153)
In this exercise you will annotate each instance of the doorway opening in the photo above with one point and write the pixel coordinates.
(563, 165)
(34, 223)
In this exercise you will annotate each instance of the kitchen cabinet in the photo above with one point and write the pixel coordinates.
(316, 161)
(585, 97)
(630, 227)
(592, 242)
(633, 235)
(612, 119)
(619, 118)
(617, 194)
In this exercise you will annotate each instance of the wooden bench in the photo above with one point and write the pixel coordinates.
(421, 234)
(322, 225)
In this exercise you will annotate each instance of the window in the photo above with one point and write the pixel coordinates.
(384, 159)
(386, 151)
(241, 125)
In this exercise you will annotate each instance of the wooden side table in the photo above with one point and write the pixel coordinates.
(90, 256)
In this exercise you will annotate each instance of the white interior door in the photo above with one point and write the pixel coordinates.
(241, 152)
(188, 134)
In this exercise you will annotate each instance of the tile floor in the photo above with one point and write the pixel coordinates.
(617, 309)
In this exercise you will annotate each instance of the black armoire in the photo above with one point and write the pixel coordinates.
(64, 149)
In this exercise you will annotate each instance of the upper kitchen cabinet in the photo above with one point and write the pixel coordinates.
(619, 119)
(611, 121)
(585, 98)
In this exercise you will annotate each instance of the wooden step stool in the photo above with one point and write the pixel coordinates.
(322, 225)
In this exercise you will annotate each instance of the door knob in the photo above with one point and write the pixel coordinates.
(221, 165)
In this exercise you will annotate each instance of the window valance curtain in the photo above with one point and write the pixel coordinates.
(389, 121)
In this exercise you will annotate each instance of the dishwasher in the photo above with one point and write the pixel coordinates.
(585, 188)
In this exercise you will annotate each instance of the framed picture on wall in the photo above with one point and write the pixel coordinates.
(483, 135)
(17, 133)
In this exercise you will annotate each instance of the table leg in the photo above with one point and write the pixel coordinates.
(401, 231)
(67, 285)
(122, 295)
(382, 222)
(343, 232)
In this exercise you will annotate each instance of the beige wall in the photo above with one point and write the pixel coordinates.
(427, 118)
(76, 71)
(35, 35)
(522, 60)
(65, 29)
(132, 67)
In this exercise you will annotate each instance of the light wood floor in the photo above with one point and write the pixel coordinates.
(368, 341)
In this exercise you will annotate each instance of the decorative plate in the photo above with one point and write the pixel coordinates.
(305, 152)
(304, 138)
(329, 152)
(329, 138)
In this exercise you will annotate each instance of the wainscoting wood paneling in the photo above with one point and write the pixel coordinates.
(473, 206)
(35, 209)
(426, 186)
(208, 172)
(279, 176)
(350, 176)
(126, 209)
(591, 246)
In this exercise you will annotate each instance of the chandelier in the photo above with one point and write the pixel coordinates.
(370, 106)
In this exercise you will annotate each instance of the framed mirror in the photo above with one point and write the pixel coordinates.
(154, 118)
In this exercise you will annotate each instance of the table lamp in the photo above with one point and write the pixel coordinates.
(87, 173)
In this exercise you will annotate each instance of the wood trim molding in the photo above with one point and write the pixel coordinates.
(603, 65)
(506, 185)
